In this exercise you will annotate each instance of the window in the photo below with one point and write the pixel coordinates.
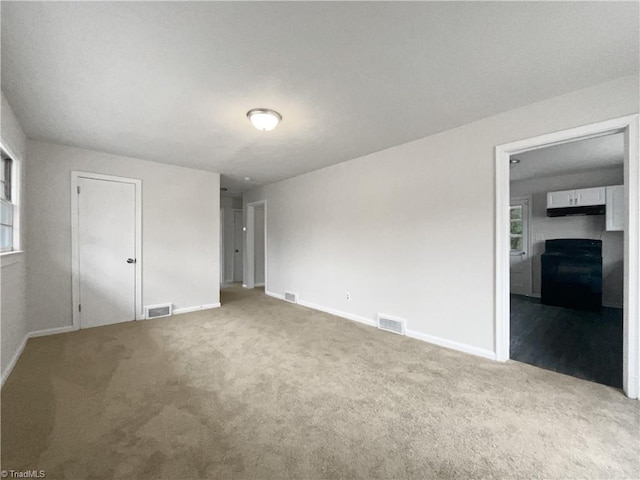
(516, 228)
(7, 205)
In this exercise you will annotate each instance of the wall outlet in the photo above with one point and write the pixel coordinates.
(348, 296)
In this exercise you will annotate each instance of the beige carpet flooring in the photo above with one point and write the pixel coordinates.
(262, 389)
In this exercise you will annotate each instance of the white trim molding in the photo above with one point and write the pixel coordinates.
(338, 313)
(441, 342)
(11, 258)
(12, 362)
(71, 328)
(208, 306)
(16, 199)
(75, 260)
(250, 244)
(222, 250)
(630, 127)
(273, 294)
(450, 344)
(51, 331)
(38, 333)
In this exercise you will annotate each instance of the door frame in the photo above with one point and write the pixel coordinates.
(250, 281)
(630, 127)
(222, 251)
(528, 200)
(75, 257)
(235, 211)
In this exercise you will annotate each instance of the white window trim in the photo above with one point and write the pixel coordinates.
(516, 253)
(10, 258)
(16, 200)
(526, 218)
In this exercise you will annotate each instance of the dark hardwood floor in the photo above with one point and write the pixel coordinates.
(583, 344)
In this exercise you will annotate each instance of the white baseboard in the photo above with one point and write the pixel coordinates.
(38, 333)
(338, 313)
(244, 285)
(51, 331)
(460, 347)
(14, 359)
(54, 331)
(178, 311)
(274, 295)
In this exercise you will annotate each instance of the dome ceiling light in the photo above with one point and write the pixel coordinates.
(264, 119)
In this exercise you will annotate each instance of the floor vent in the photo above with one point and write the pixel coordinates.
(391, 324)
(155, 311)
(291, 297)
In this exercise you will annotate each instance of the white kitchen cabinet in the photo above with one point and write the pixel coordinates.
(560, 199)
(615, 208)
(589, 196)
(582, 197)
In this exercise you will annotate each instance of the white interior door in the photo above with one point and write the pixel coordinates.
(106, 251)
(237, 245)
(520, 259)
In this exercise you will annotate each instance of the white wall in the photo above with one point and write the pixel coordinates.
(228, 205)
(258, 217)
(409, 231)
(180, 230)
(13, 319)
(591, 226)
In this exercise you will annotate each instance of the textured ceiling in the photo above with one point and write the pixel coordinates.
(172, 81)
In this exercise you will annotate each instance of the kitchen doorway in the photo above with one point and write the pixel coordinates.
(629, 128)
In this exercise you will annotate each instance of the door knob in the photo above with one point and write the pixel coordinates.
(131, 260)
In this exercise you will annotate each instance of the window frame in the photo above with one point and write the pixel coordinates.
(520, 235)
(525, 203)
(15, 202)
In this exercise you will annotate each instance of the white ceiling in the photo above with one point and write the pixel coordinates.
(574, 157)
(172, 81)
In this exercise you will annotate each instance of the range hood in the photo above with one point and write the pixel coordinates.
(579, 210)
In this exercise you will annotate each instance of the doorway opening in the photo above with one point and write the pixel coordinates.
(231, 239)
(567, 252)
(566, 260)
(256, 253)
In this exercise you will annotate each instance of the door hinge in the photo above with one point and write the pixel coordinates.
(78, 190)
(79, 307)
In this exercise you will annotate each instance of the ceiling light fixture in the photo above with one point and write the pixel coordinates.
(514, 161)
(264, 119)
